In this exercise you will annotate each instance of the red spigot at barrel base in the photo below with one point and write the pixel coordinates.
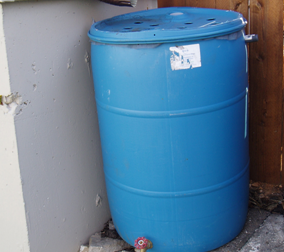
(143, 244)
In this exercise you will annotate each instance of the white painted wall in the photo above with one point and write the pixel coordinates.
(13, 227)
(56, 124)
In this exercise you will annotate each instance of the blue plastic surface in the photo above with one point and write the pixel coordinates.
(166, 25)
(174, 138)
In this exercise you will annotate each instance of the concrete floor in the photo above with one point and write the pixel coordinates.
(263, 232)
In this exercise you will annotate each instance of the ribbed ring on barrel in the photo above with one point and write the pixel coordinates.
(174, 113)
(181, 193)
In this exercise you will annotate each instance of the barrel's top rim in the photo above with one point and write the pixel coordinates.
(164, 25)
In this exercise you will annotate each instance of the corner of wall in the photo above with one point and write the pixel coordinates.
(13, 225)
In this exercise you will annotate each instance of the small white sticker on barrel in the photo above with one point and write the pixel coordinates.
(185, 57)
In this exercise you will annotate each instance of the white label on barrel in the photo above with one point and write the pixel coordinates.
(185, 57)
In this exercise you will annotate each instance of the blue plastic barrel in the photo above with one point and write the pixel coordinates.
(172, 97)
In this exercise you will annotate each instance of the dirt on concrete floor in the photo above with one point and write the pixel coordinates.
(267, 197)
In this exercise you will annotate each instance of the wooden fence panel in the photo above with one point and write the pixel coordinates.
(266, 73)
(282, 158)
(201, 3)
(169, 3)
(235, 5)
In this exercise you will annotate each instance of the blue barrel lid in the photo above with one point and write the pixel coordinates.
(164, 25)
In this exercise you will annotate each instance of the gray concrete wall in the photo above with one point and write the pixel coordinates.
(56, 123)
(12, 210)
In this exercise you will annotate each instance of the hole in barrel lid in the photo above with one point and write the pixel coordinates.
(216, 23)
(127, 28)
(210, 19)
(154, 24)
(138, 22)
(188, 23)
(176, 14)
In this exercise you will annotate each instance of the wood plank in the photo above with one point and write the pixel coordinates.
(191, 3)
(282, 157)
(266, 73)
(201, 3)
(235, 5)
(282, 146)
(169, 3)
